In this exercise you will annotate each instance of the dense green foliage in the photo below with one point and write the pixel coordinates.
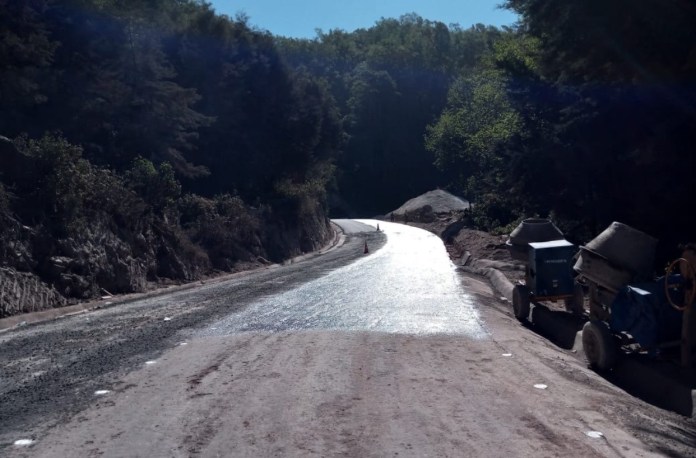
(584, 111)
(389, 81)
(154, 140)
(622, 74)
(165, 81)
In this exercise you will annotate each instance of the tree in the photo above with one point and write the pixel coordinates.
(113, 89)
(389, 82)
(157, 185)
(26, 53)
(623, 75)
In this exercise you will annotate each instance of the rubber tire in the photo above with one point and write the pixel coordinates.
(576, 303)
(599, 345)
(520, 302)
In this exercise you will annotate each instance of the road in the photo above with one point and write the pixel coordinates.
(392, 353)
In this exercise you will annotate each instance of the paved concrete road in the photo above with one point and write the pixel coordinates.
(389, 354)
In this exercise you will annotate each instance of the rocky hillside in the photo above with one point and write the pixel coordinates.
(70, 231)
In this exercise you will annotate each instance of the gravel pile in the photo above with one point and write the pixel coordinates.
(440, 201)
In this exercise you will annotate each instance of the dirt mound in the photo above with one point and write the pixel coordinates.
(438, 200)
(482, 245)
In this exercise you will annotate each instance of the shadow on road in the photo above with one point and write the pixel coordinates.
(661, 382)
(559, 327)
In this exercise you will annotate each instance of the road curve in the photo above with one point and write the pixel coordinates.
(408, 287)
(385, 354)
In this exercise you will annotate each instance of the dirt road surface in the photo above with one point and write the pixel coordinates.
(386, 354)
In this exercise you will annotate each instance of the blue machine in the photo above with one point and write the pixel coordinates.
(549, 277)
(550, 269)
(644, 312)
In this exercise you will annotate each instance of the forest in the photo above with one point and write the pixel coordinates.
(149, 140)
(584, 112)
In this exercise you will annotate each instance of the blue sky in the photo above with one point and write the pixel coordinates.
(300, 18)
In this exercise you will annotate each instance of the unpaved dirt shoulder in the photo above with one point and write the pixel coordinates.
(661, 432)
(335, 393)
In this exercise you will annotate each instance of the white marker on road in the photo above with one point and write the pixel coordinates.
(149, 363)
(23, 442)
(540, 386)
(595, 434)
(101, 392)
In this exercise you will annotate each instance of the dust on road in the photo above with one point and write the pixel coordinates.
(346, 394)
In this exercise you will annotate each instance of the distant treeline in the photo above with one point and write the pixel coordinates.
(390, 82)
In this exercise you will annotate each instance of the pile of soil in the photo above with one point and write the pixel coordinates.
(481, 245)
(438, 201)
(465, 245)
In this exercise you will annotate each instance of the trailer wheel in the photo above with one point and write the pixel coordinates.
(599, 346)
(576, 303)
(520, 302)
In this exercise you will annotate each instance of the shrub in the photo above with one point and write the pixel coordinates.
(158, 186)
(194, 210)
(493, 214)
(224, 226)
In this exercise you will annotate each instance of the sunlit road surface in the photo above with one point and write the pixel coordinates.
(409, 287)
(343, 354)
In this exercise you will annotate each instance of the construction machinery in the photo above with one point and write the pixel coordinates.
(628, 307)
(548, 259)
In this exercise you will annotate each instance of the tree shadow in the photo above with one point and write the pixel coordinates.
(559, 327)
(661, 381)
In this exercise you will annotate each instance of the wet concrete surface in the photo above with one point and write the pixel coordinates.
(408, 287)
(51, 370)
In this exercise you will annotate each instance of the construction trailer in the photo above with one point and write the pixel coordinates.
(629, 308)
(548, 260)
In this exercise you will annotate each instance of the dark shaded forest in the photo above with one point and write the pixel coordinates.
(389, 82)
(156, 139)
(153, 140)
